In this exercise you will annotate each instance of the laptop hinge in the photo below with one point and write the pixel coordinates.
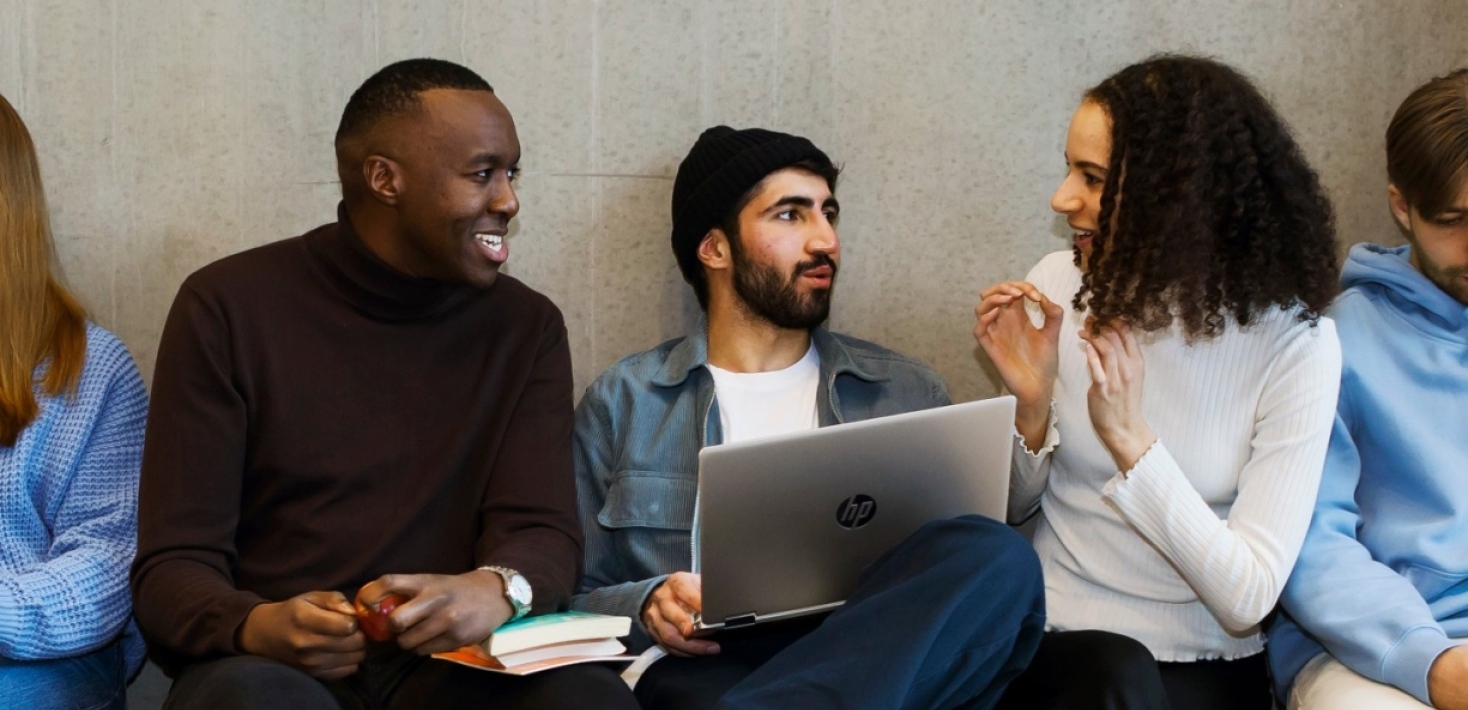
(738, 620)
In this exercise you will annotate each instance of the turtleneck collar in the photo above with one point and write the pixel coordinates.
(371, 285)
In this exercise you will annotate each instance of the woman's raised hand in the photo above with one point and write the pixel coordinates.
(1115, 398)
(1026, 357)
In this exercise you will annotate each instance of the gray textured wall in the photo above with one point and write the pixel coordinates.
(173, 132)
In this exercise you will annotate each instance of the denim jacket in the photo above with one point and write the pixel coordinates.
(640, 426)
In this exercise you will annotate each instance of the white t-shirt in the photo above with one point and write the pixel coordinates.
(756, 404)
(751, 405)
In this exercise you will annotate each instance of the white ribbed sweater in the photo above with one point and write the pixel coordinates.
(1188, 551)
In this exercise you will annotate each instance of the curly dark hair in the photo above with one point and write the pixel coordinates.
(1222, 217)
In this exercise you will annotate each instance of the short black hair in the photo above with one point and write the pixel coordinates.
(394, 89)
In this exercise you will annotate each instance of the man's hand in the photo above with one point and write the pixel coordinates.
(1447, 680)
(443, 611)
(315, 632)
(668, 615)
(1026, 357)
(1115, 398)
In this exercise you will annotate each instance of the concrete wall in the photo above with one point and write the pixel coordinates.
(173, 132)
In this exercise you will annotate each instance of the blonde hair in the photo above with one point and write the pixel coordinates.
(40, 321)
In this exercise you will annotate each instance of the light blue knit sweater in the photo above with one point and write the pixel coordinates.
(68, 514)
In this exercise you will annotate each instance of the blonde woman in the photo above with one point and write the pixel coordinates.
(72, 408)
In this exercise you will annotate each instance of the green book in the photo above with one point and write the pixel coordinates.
(562, 627)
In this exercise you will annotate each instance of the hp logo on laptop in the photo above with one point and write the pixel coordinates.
(856, 511)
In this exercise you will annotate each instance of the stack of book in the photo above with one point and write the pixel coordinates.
(541, 643)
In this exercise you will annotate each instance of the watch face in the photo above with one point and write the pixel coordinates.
(519, 589)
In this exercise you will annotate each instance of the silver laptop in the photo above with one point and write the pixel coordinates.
(787, 523)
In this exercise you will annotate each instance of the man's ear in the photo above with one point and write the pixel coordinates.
(714, 250)
(384, 178)
(1401, 211)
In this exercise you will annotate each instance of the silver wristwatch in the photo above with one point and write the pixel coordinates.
(517, 590)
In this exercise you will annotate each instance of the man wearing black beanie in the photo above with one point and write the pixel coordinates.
(943, 621)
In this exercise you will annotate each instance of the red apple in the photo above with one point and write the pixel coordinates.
(373, 619)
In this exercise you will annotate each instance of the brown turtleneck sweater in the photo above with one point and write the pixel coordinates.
(319, 419)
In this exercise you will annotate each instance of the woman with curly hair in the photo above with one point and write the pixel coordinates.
(1176, 386)
(72, 408)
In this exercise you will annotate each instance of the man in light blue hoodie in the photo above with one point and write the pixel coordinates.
(1376, 612)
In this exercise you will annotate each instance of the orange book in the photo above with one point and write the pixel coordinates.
(540, 643)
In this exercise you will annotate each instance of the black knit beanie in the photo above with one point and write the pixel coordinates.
(721, 167)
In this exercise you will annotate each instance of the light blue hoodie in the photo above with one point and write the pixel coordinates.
(1382, 581)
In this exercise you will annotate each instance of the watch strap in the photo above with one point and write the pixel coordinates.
(508, 575)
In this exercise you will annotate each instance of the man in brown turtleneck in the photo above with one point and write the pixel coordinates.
(369, 406)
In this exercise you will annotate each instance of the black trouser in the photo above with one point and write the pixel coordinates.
(392, 679)
(942, 621)
(1098, 670)
(698, 683)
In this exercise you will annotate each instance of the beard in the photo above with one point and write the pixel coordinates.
(775, 298)
(1452, 281)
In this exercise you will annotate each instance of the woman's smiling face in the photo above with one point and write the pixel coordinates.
(1087, 157)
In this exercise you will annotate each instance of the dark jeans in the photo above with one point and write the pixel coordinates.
(944, 620)
(392, 679)
(92, 681)
(698, 683)
(1098, 670)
